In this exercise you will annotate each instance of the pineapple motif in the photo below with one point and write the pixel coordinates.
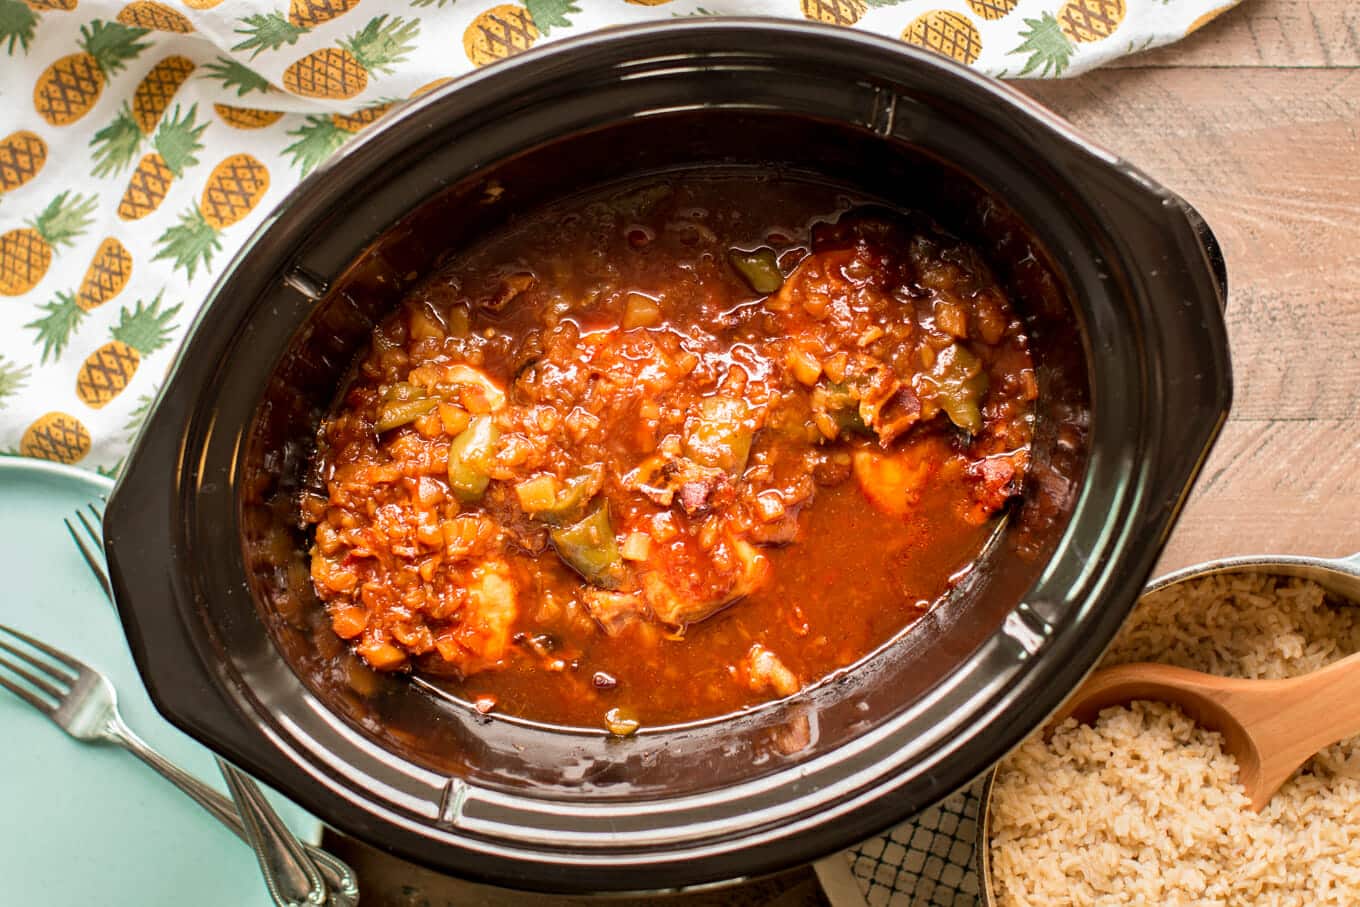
(71, 86)
(270, 31)
(108, 273)
(60, 319)
(105, 278)
(12, 379)
(56, 436)
(153, 95)
(353, 122)
(234, 188)
(311, 13)
(840, 12)
(62, 5)
(176, 142)
(139, 413)
(111, 472)
(343, 72)
(549, 14)
(246, 117)
(107, 371)
(992, 9)
(154, 16)
(17, 24)
(498, 33)
(22, 155)
(201, 4)
(1085, 21)
(431, 86)
(117, 143)
(949, 33)
(237, 77)
(320, 136)
(26, 253)
(834, 12)
(1051, 41)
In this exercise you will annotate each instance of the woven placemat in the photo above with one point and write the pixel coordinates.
(928, 862)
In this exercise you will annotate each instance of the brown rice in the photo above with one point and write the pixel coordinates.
(1144, 807)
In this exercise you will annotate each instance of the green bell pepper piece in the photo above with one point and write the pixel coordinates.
(589, 548)
(470, 457)
(841, 405)
(401, 412)
(719, 435)
(960, 383)
(760, 269)
(571, 501)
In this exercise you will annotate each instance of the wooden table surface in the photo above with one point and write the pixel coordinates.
(1255, 120)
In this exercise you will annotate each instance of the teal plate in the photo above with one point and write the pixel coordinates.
(82, 823)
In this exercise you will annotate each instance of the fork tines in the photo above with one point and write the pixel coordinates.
(92, 550)
(38, 673)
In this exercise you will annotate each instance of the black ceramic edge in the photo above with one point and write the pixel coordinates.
(142, 516)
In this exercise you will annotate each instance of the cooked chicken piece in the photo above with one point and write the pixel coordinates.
(510, 286)
(667, 480)
(765, 673)
(483, 632)
(795, 736)
(614, 611)
(676, 599)
(894, 482)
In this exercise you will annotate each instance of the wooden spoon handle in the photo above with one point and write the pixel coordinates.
(1292, 719)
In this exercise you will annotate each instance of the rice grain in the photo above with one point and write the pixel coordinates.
(1143, 807)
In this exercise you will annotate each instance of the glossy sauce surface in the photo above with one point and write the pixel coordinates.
(670, 450)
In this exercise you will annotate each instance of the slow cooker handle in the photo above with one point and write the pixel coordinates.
(1177, 281)
(1192, 346)
(141, 524)
(1212, 251)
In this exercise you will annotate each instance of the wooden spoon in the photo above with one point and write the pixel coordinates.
(1270, 726)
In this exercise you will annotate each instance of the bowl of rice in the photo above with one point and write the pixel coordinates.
(1143, 805)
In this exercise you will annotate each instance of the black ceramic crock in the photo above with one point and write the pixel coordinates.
(1122, 288)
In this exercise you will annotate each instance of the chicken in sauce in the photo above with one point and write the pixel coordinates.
(670, 451)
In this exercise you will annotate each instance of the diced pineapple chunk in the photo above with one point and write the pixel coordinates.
(380, 654)
(636, 547)
(349, 622)
(454, 419)
(425, 324)
(770, 505)
(538, 494)
(640, 312)
(480, 393)
(804, 366)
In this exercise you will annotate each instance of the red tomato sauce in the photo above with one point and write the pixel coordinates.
(664, 452)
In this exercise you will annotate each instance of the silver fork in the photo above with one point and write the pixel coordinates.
(281, 855)
(83, 703)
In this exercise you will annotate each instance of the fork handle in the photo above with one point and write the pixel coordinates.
(339, 878)
(292, 878)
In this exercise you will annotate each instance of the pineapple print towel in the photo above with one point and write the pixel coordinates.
(142, 140)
